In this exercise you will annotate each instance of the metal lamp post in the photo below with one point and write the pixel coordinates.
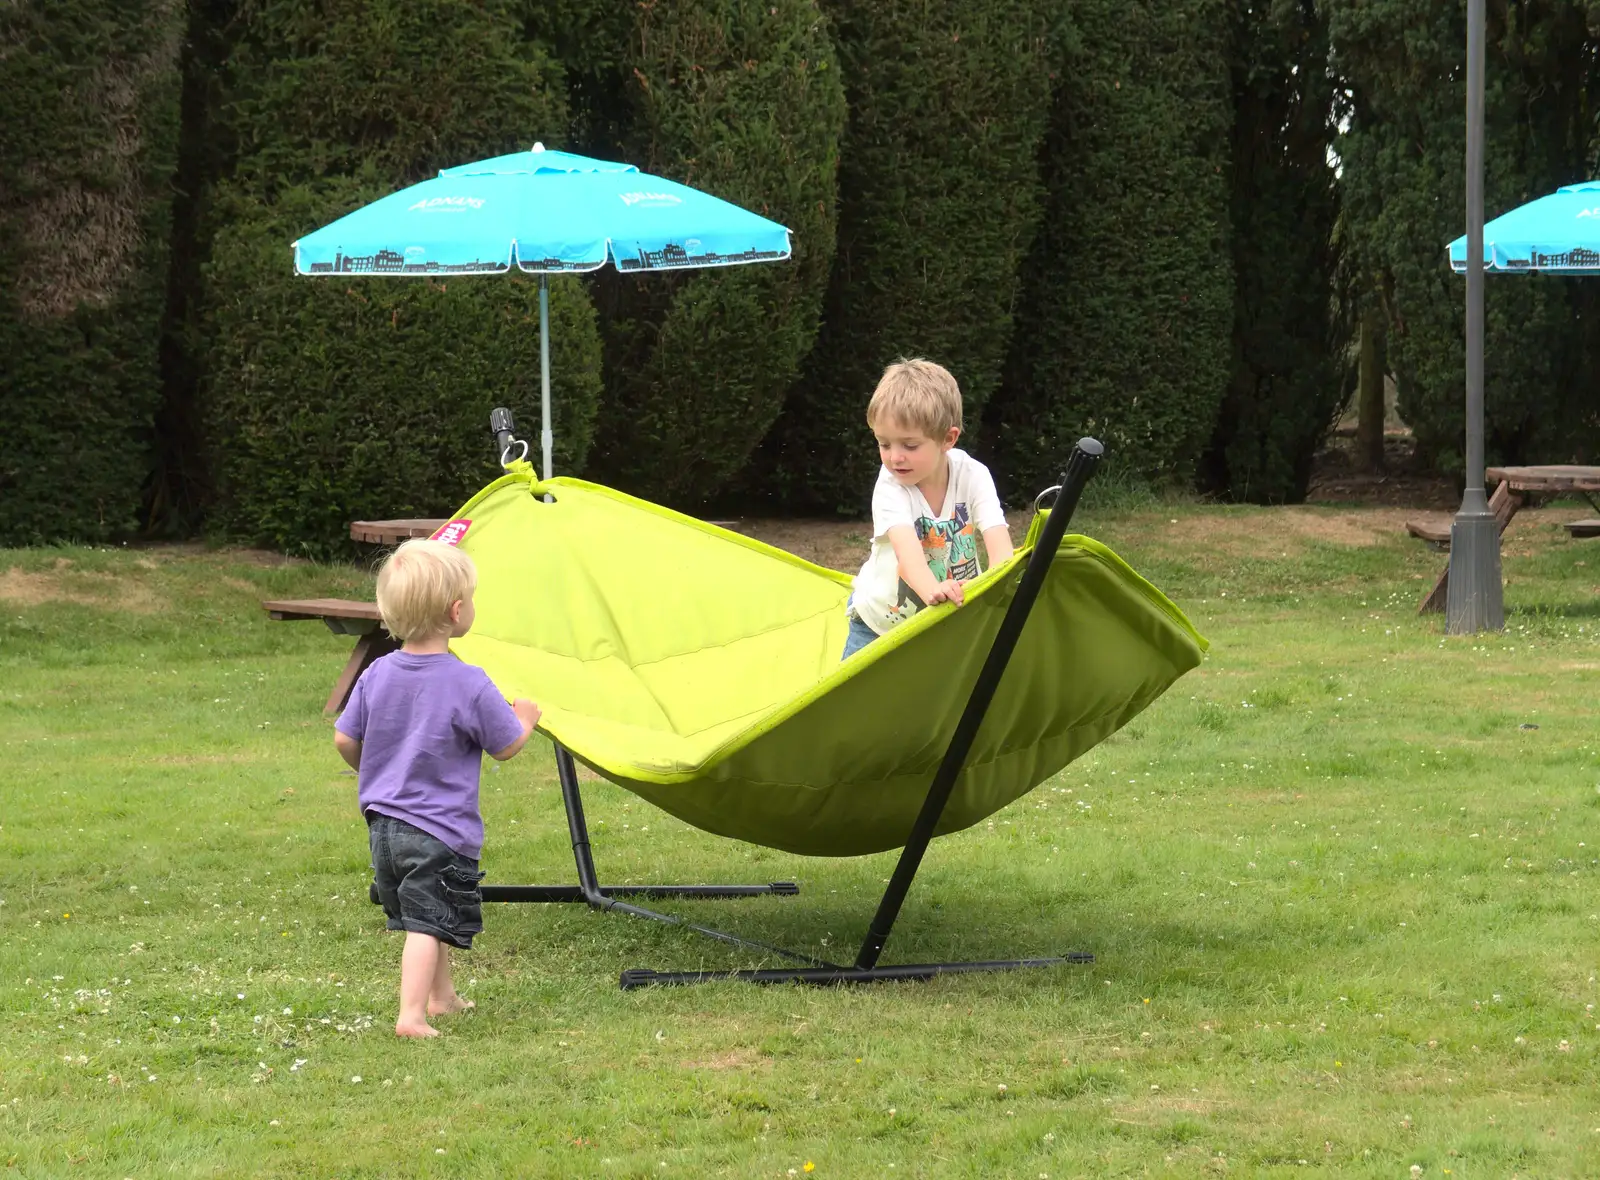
(1475, 599)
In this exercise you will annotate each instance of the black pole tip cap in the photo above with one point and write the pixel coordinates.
(1091, 446)
(500, 419)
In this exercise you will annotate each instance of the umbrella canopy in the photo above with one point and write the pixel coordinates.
(1556, 234)
(542, 212)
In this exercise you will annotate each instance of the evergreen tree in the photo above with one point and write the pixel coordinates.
(1127, 299)
(1291, 330)
(1404, 191)
(742, 100)
(939, 200)
(87, 149)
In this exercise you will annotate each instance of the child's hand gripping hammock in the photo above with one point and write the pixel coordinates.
(700, 669)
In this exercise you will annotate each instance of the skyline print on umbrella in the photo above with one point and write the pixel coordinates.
(541, 212)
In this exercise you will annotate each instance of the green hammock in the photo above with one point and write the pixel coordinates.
(700, 669)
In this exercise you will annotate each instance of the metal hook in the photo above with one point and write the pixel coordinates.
(1043, 494)
(505, 460)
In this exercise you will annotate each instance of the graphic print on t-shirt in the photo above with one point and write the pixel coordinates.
(951, 547)
(947, 540)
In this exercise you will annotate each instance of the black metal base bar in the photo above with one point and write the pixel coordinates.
(608, 897)
(837, 976)
(623, 907)
(589, 890)
(520, 893)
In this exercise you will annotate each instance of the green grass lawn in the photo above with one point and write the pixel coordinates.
(1341, 883)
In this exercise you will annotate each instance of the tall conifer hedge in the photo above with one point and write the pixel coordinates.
(88, 143)
(1291, 330)
(1127, 299)
(742, 100)
(338, 397)
(1404, 186)
(939, 199)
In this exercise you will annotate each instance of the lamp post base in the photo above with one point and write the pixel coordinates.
(1476, 601)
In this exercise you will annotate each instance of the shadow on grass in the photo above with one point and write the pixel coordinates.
(949, 921)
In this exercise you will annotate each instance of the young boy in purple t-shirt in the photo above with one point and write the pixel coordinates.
(415, 730)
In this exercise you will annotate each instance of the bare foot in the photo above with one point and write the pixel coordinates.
(419, 1028)
(453, 1003)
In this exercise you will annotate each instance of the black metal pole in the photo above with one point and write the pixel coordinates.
(1085, 458)
(578, 829)
(503, 427)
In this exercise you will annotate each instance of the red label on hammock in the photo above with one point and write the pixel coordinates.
(452, 532)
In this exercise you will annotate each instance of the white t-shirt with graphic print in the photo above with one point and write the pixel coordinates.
(951, 536)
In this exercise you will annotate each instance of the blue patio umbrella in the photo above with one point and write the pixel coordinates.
(541, 212)
(1556, 234)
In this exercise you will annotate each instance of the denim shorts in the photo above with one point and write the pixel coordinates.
(857, 637)
(423, 884)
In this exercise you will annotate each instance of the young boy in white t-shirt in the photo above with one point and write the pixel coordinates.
(929, 507)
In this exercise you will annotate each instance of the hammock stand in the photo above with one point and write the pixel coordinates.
(1081, 466)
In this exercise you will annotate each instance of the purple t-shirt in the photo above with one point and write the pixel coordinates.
(423, 722)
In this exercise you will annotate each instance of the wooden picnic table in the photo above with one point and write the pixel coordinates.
(344, 616)
(1514, 486)
(392, 532)
(348, 616)
(1555, 479)
(1551, 478)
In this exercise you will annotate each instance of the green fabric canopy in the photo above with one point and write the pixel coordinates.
(700, 669)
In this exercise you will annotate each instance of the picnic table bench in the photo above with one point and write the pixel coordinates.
(348, 616)
(1514, 486)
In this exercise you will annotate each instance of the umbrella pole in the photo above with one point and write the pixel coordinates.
(547, 436)
(1475, 600)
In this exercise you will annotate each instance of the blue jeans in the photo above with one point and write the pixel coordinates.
(423, 884)
(858, 637)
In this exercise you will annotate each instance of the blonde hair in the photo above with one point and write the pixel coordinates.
(918, 394)
(417, 586)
